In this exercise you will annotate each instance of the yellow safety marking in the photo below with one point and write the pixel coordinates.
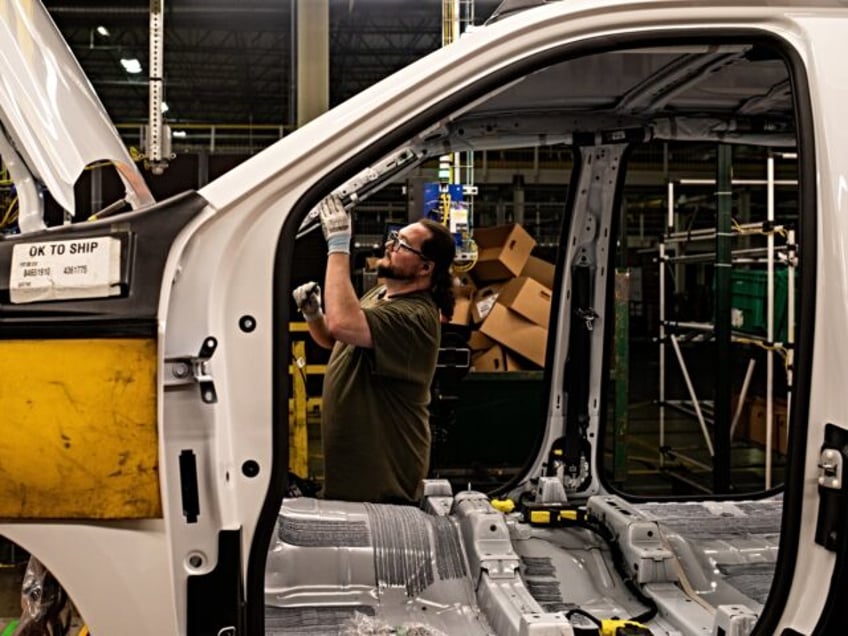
(540, 516)
(568, 514)
(313, 405)
(298, 435)
(308, 369)
(78, 436)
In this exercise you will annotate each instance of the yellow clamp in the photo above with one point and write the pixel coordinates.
(550, 516)
(617, 627)
(503, 505)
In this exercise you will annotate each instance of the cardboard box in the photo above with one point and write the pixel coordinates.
(539, 270)
(522, 336)
(514, 363)
(502, 252)
(527, 298)
(461, 312)
(757, 424)
(479, 342)
(484, 299)
(464, 286)
(490, 360)
(495, 359)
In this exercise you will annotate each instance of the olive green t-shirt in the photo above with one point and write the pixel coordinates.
(375, 424)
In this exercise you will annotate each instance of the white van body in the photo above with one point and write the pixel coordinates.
(199, 309)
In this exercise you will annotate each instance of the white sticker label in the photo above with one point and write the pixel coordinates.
(58, 270)
(458, 220)
(484, 307)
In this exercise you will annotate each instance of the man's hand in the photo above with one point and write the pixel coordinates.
(335, 222)
(307, 297)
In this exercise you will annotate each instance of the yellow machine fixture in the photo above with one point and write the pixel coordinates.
(78, 435)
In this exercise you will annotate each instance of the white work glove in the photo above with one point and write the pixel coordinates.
(307, 297)
(335, 222)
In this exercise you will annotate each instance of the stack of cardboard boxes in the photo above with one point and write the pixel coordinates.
(757, 423)
(506, 300)
(752, 422)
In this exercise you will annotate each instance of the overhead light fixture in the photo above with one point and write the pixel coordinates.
(102, 30)
(131, 65)
(164, 107)
(179, 133)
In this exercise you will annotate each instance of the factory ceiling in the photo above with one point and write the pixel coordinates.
(231, 62)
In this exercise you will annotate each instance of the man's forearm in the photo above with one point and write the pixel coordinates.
(344, 318)
(319, 332)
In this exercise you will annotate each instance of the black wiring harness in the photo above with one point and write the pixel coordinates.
(577, 517)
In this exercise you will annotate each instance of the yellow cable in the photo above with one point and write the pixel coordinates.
(102, 164)
(8, 211)
(136, 155)
(740, 230)
(446, 201)
(779, 350)
(10, 214)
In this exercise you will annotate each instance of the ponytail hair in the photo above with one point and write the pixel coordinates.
(440, 249)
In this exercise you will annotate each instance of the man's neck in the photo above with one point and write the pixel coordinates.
(396, 287)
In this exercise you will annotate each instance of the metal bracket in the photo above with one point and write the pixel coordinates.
(454, 357)
(734, 620)
(550, 491)
(437, 498)
(194, 370)
(588, 316)
(646, 555)
(486, 537)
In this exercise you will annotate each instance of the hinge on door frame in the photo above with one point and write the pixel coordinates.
(830, 469)
(831, 520)
(182, 370)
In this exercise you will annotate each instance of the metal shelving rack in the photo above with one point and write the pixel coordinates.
(673, 332)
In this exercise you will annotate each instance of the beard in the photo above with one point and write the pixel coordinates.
(389, 272)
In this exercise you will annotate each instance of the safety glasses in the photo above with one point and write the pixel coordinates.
(395, 242)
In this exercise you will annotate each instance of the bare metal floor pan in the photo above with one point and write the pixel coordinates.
(349, 568)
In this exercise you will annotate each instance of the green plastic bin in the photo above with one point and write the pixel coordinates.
(749, 299)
